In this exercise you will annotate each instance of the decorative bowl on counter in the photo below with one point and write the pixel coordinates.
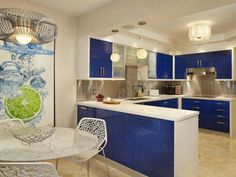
(100, 98)
(31, 135)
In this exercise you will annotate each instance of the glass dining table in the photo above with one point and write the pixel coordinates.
(63, 143)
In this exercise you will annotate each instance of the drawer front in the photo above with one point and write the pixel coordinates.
(192, 104)
(220, 108)
(170, 103)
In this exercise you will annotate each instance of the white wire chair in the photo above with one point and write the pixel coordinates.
(96, 127)
(9, 124)
(41, 169)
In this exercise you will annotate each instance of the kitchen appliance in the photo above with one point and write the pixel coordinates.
(170, 90)
(153, 92)
(173, 89)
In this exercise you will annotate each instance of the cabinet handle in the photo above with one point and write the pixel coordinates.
(220, 110)
(219, 116)
(103, 71)
(200, 63)
(100, 71)
(84, 108)
(196, 101)
(222, 123)
(165, 102)
(220, 103)
(196, 107)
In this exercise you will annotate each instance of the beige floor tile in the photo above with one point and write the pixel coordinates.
(217, 158)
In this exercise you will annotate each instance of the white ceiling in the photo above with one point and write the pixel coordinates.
(222, 18)
(73, 7)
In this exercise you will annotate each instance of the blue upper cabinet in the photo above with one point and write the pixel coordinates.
(181, 66)
(164, 66)
(100, 63)
(221, 60)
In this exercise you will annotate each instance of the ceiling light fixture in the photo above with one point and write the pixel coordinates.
(25, 26)
(142, 53)
(199, 31)
(115, 57)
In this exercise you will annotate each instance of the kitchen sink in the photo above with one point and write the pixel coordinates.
(137, 99)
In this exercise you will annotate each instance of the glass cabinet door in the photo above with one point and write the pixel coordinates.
(119, 67)
(152, 63)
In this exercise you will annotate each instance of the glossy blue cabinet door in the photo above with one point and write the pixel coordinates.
(123, 137)
(156, 147)
(100, 63)
(222, 61)
(214, 115)
(164, 66)
(84, 111)
(180, 66)
(170, 103)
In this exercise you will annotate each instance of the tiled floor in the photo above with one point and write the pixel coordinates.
(217, 158)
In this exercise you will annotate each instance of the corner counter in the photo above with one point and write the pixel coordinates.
(154, 141)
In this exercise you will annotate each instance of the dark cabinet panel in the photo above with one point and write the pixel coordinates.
(123, 137)
(164, 66)
(169, 103)
(214, 115)
(100, 63)
(141, 143)
(180, 66)
(156, 147)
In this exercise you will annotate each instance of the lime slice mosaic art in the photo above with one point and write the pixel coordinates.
(23, 84)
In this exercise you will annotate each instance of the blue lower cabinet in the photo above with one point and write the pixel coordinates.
(84, 111)
(156, 147)
(214, 115)
(123, 137)
(140, 143)
(170, 103)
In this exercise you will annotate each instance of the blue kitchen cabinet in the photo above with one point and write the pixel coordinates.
(222, 61)
(220, 113)
(141, 143)
(202, 106)
(180, 66)
(214, 115)
(84, 111)
(169, 103)
(164, 66)
(100, 63)
(123, 137)
(156, 147)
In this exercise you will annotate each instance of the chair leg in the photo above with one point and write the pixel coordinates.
(103, 152)
(88, 168)
(57, 163)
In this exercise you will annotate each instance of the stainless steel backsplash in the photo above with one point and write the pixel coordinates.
(88, 89)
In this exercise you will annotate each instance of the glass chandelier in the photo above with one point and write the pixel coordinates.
(115, 57)
(199, 31)
(25, 26)
(142, 53)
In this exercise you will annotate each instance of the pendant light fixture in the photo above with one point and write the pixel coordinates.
(199, 31)
(25, 26)
(115, 57)
(142, 53)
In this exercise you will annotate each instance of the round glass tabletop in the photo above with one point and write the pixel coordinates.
(65, 142)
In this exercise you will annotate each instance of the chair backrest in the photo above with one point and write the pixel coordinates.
(96, 127)
(44, 169)
(8, 124)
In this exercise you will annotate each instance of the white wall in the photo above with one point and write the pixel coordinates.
(65, 61)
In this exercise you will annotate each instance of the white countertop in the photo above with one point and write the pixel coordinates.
(144, 110)
(128, 106)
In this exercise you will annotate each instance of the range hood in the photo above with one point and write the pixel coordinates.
(209, 71)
